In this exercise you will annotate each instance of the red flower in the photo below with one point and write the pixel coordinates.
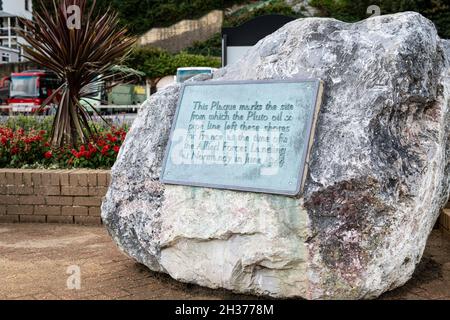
(77, 155)
(105, 149)
(25, 142)
(111, 138)
(101, 142)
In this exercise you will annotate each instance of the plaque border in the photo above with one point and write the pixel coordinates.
(304, 161)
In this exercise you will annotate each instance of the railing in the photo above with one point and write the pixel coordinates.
(111, 113)
(102, 107)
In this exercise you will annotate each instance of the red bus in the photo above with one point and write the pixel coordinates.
(29, 89)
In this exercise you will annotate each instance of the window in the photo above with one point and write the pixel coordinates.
(27, 5)
(24, 87)
(47, 86)
(5, 57)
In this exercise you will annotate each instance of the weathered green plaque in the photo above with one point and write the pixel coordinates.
(250, 136)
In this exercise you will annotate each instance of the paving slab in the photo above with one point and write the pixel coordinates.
(41, 262)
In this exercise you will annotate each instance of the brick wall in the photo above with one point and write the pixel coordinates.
(444, 220)
(67, 196)
(52, 196)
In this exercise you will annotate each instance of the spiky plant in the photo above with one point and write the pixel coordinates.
(81, 57)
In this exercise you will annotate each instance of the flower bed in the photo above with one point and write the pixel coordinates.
(25, 145)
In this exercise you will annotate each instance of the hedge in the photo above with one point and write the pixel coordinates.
(355, 10)
(157, 63)
(140, 16)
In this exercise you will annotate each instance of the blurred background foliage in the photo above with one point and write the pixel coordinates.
(213, 46)
(157, 63)
(354, 10)
(139, 16)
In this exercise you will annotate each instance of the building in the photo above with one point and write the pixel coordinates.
(8, 55)
(10, 42)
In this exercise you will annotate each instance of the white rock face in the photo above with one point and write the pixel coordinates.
(378, 171)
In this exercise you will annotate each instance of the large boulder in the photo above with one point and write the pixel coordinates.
(378, 171)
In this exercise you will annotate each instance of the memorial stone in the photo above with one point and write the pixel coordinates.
(378, 170)
(248, 136)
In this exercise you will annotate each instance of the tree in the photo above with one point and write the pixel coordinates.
(139, 16)
(354, 10)
(80, 57)
(157, 63)
(244, 15)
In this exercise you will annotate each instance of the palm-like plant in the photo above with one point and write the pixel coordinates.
(81, 57)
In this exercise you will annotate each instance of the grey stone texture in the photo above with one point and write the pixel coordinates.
(377, 180)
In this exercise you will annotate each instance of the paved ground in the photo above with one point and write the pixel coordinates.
(35, 259)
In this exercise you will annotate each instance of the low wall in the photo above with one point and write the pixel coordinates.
(52, 196)
(68, 196)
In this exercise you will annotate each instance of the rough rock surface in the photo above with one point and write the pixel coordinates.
(378, 171)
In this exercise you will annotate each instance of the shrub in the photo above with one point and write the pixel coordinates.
(210, 47)
(154, 62)
(29, 148)
(81, 57)
(213, 46)
(354, 10)
(29, 123)
(18, 147)
(157, 63)
(184, 59)
(140, 16)
(246, 14)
